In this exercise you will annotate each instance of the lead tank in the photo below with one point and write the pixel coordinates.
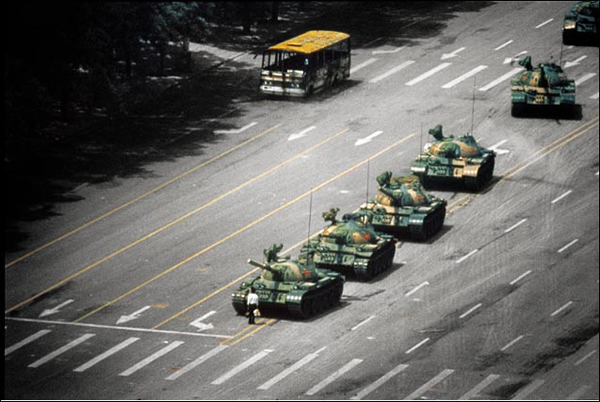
(297, 287)
(352, 245)
(451, 159)
(543, 86)
(403, 206)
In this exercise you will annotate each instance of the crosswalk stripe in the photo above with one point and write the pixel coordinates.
(305, 360)
(197, 362)
(429, 384)
(362, 65)
(379, 382)
(500, 79)
(60, 351)
(241, 367)
(535, 384)
(479, 387)
(349, 366)
(106, 354)
(464, 76)
(392, 71)
(584, 78)
(150, 358)
(25, 341)
(428, 74)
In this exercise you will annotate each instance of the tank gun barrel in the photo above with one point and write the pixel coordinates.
(260, 265)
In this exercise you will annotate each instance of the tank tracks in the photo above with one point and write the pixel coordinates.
(315, 301)
(484, 176)
(365, 269)
(433, 223)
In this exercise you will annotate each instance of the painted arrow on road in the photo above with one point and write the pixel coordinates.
(362, 141)
(574, 62)
(200, 325)
(453, 54)
(133, 316)
(300, 134)
(55, 309)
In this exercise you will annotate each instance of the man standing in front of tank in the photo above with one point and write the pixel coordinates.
(252, 305)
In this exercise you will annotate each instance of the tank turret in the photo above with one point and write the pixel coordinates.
(544, 85)
(351, 246)
(404, 206)
(454, 159)
(296, 286)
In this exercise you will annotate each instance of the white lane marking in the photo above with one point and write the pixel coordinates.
(574, 62)
(362, 65)
(392, 71)
(561, 197)
(520, 277)
(362, 323)
(349, 366)
(55, 309)
(504, 45)
(497, 145)
(25, 341)
(428, 74)
(452, 54)
(568, 245)
(301, 133)
(241, 367)
(535, 384)
(236, 131)
(578, 393)
(418, 345)
(201, 325)
(196, 362)
(516, 225)
(416, 288)
(509, 60)
(584, 78)
(509, 344)
(132, 316)
(479, 387)
(106, 354)
(429, 384)
(369, 138)
(379, 382)
(150, 359)
(79, 324)
(561, 309)
(498, 150)
(396, 50)
(466, 256)
(305, 360)
(464, 76)
(60, 351)
(578, 362)
(500, 79)
(595, 96)
(463, 315)
(544, 23)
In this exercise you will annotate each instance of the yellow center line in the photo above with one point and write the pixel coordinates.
(266, 324)
(136, 199)
(241, 230)
(181, 218)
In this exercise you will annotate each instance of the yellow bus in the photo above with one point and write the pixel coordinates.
(305, 64)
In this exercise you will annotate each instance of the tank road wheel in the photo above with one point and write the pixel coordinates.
(305, 307)
(484, 176)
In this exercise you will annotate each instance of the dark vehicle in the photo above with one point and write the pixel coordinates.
(297, 287)
(543, 86)
(455, 159)
(352, 245)
(403, 206)
(581, 23)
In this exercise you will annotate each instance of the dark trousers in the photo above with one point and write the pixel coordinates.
(251, 308)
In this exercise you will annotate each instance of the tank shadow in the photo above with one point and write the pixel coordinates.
(571, 112)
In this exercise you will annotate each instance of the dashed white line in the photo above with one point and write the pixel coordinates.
(509, 344)
(504, 45)
(466, 256)
(392, 71)
(379, 382)
(544, 23)
(516, 225)
(561, 309)
(464, 77)
(466, 313)
(561, 196)
(479, 387)
(106, 354)
(578, 393)
(568, 245)
(349, 366)
(500, 79)
(584, 78)
(60, 351)
(520, 277)
(535, 384)
(416, 288)
(25, 341)
(396, 50)
(150, 358)
(595, 96)
(362, 65)
(428, 74)
(241, 367)
(578, 362)
(418, 345)
(197, 362)
(362, 323)
(429, 384)
(236, 131)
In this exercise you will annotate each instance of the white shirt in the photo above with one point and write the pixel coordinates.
(252, 298)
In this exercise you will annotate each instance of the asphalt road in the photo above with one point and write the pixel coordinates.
(125, 294)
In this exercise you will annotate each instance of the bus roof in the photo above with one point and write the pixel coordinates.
(311, 41)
